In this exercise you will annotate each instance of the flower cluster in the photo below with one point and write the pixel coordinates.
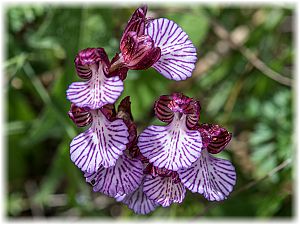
(155, 167)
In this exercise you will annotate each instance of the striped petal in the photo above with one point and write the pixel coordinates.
(173, 146)
(101, 144)
(178, 54)
(138, 201)
(123, 178)
(163, 190)
(210, 176)
(81, 117)
(97, 92)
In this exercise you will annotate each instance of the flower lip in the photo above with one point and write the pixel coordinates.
(210, 176)
(167, 105)
(101, 144)
(163, 190)
(122, 178)
(219, 137)
(178, 54)
(88, 58)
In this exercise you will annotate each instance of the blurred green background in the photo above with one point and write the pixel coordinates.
(243, 80)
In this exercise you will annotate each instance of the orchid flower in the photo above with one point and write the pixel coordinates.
(163, 186)
(92, 65)
(126, 175)
(213, 177)
(159, 43)
(210, 176)
(176, 145)
(102, 143)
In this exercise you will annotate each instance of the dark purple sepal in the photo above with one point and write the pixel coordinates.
(167, 105)
(219, 137)
(87, 59)
(109, 111)
(162, 109)
(124, 109)
(80, 116)
(124, 112)
(136, 22)
(117, 68)
(139, 52)
(135, 152)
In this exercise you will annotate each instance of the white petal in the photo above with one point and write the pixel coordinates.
(97, 92)
(163, 190)
(101, 144)
(172, 147)
(210, 176)
(123, 178)
(138, 201)
(178, 54)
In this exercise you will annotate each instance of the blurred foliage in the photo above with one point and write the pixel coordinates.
(42, 41)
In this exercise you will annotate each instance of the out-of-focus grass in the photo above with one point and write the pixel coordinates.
(42, 41)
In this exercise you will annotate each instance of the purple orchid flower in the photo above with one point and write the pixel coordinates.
(213, 177)
(92, 64)
(159, 43)
(210, 176)
(163, 186)
(102, 143)
(126, 175)
(176, 145)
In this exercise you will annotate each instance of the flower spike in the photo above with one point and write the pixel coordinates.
(93, 65)
(156, 167)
